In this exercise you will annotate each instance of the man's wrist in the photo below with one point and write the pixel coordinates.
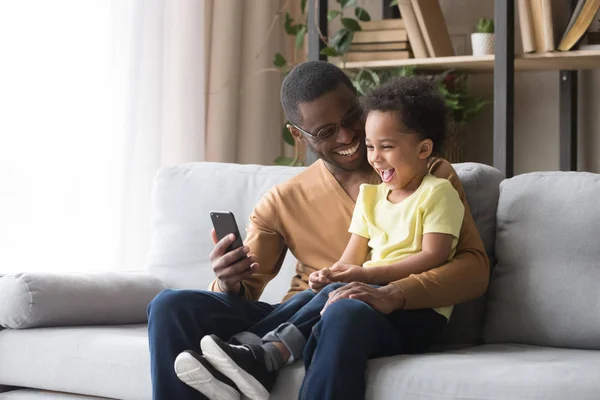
(396, 296)
(239, 290)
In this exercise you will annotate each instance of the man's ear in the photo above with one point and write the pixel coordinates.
(425, 149)
(296, 134)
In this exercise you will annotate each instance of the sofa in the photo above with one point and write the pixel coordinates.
(534, 334)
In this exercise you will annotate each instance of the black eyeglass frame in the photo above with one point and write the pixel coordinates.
(333, 132)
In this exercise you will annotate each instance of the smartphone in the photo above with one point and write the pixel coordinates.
(225, 224)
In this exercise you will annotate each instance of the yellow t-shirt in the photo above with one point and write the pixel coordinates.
(395, 231)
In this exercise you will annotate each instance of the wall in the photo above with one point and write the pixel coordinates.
(536, 99)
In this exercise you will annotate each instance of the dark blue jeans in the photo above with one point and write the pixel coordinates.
(336, 354)
(178, 319)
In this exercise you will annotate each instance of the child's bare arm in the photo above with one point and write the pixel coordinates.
(435, 252)
(356, 251)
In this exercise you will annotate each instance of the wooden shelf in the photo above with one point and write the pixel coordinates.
(553, 61)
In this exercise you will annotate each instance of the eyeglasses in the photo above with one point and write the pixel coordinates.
(352, 120)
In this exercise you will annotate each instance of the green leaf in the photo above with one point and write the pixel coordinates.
(342, 40)
(362, 14)
(332, 14)
(300, 37)
(345, 42)
(279, 60)
(393, 3)
(329, 52)
(347, 3)
(287, 136)
(303, 6)
(351, 24)
(290, 28)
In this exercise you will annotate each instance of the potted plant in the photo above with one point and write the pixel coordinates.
(482, 41)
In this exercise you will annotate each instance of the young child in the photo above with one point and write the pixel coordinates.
(406, 225)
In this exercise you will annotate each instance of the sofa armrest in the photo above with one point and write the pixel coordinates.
(33, 300)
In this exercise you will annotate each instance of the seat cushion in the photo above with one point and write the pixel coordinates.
(498, 372)
(108, 361)
(544, 289)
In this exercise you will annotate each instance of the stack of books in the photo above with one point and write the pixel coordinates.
(380, 40)
(544, 27)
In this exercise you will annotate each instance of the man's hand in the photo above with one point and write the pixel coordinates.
(349, 273)
(233, 267)
(319, 279)
(384, 299)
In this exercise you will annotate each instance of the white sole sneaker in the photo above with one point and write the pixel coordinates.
(245, 382)
(191, 372)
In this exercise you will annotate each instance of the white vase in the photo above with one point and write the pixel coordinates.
(482, 43)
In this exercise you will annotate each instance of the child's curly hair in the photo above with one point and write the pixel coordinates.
(418, 104)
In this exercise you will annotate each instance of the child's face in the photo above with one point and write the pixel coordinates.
(397, 155)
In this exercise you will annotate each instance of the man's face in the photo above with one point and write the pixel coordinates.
(336, 110)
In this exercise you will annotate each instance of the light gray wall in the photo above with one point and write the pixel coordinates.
(536, 98)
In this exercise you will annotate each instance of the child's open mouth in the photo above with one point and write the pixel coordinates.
(387, 174)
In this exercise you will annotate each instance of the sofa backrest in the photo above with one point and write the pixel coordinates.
(545, 285)
(184, 195)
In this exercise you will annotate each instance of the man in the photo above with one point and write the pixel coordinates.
(308, 215)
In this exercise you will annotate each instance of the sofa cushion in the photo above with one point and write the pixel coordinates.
(107, 361)
(36, 299)
(481, 184)
(545, 286)
(498, 372)
(183, 197)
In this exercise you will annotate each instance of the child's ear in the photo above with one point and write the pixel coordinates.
(426, 148)
(296, 134)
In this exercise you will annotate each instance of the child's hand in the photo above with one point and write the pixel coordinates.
(349, 273)
(319, 279)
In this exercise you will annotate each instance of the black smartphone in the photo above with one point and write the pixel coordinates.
(225, 224)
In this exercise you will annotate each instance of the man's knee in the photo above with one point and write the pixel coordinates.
(353, 310)
(171, 301)
(331, 287)
(303, 297)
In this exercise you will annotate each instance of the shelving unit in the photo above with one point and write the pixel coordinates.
(503, 65)
(482, 64)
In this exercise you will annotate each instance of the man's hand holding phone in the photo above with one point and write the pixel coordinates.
(231, 267)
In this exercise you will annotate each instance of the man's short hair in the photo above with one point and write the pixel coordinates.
(418, 104)
(307, 82)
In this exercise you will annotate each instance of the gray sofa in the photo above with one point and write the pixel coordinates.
(534, 335)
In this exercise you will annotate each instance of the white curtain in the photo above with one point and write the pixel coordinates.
(95, 96)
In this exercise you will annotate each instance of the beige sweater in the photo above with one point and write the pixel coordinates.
(310, 215)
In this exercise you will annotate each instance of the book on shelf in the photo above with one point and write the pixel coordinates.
(543, 22)
(383, 36)
(543, 27)
(581, 18)
(433, 28)
(377, 55)
(390, 46)
(382, 24)
(380, 41)
(413, 31)
(526, 25)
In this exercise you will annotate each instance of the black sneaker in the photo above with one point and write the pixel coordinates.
(244, 365)
(195, 371)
